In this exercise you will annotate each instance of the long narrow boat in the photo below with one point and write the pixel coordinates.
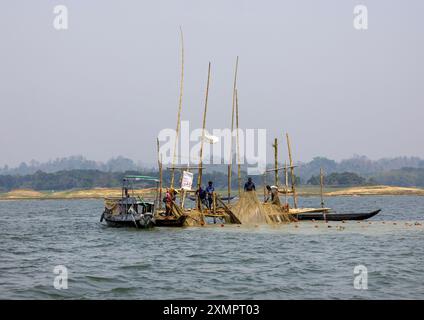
(171, 221)
(337, 216)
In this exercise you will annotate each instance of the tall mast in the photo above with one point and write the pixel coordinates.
(275, 145)
(160, 174)
(199, 177)
(238, 146)
(286, 181)
(232, 128)
(180, 102)
(291, 172)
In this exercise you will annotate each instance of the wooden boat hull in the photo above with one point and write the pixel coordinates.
(128, 221)
(336, 216)
(308, 210)
(170, 221)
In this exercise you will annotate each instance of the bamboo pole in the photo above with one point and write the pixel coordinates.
(233, 217)
(238, 146)
(181, 178)
(183, 191)
(200, 174)
(199, 177)
(321, 179)
(160, 174)
(214, 202)
(280, 168)
(185, 167)
(157, 201)
(275, 145)
(232, 128)
(160, 182)
(180, 101)
(292, 172)
(286, 182)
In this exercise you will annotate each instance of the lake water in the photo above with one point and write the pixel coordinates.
(312, 260)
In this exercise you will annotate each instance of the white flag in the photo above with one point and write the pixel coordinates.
(187, 180)
(211, 139)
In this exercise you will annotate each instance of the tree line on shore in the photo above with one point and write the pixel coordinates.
(86, 179)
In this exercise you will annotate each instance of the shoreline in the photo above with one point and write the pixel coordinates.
(303, 191)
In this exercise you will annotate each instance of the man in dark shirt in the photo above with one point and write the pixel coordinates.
(249, 185)
(201, 193)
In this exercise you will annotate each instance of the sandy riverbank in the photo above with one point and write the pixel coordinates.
(96, 193)
(377, 191)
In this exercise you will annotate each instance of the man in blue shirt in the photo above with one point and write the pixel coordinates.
(209, 191)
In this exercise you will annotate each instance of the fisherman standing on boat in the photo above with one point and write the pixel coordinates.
(249, 185)
(273, 195)
(201, 193)
(169, 201)
(210, 191)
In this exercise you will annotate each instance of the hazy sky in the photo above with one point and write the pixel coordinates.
(108, 84)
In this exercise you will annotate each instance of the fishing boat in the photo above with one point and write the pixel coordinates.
(130, 210)
(173, 217)
(336, 216)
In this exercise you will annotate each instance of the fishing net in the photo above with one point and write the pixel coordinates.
(249, 210)
(194, 218)
(277, 213)
(112, 205)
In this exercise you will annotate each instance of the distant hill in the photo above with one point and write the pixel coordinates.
(118, 164)
(404, 177)
(339, 179)
(360, 165)
(88, 179)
